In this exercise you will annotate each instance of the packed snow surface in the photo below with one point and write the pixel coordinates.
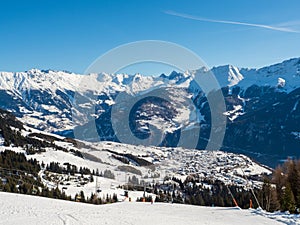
(24, 209)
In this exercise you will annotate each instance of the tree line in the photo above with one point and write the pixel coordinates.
(279, 192)
(282, 191)
(206, 192)
(19, 175)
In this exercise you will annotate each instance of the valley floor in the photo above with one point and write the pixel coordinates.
(24, 209)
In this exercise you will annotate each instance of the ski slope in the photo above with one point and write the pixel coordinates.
(25, 210)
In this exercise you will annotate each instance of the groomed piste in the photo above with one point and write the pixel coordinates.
(28, 210)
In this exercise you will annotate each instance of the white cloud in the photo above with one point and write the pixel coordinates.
(277, 28)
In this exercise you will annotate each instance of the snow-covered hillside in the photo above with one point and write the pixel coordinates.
(149, 160)
(150, 164)
(27, 210)
(285, 75)
(123, 163)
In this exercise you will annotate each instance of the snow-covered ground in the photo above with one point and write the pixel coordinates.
(171, 162)
(165, 162)
(24, 209)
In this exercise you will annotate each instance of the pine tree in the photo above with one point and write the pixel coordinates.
(115, 198)
(7, 188)
(288, 200)
(293, 177)
(91, 178)
(274, 202)
(279, 180)
(268, 197)
(297, 185)
(82, 197)
(199, 200)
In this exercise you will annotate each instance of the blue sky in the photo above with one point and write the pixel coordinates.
(69, 35)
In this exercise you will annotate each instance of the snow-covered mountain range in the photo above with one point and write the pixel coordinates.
(261, 105)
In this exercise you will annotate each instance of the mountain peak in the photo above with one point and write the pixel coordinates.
(227, 75)
(33, 71)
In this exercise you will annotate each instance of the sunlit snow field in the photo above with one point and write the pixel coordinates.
(24, 209)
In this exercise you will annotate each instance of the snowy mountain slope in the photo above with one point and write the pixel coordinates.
(285, 75)
(261, 105)
(40, 95)
(121, 161)
(227, 75)
(150, 164)
(36, 210)
(44, 98)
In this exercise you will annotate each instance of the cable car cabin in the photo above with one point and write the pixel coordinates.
(99, 190)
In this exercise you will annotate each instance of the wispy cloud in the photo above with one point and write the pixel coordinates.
(281, 28)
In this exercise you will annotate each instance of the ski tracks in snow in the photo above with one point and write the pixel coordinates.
(69, 219)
